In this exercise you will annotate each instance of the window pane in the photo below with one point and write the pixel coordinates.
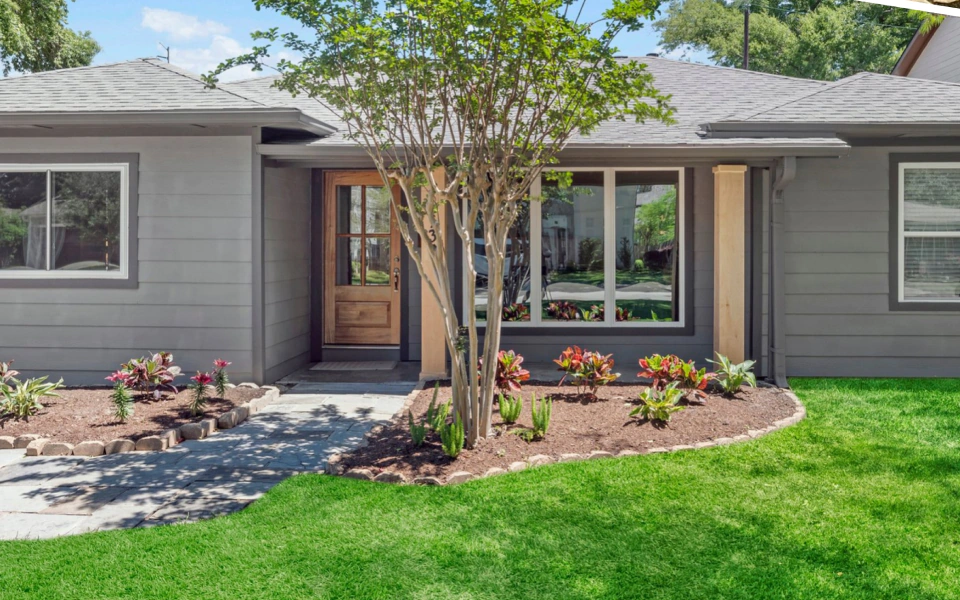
(572, 235)
(348, 261)
(378, 261)
(86, 221)
(23, 221)
(647, 252)
(516, 266)
(931, 269)
(349, 207)
(378, 210)
(931, 199)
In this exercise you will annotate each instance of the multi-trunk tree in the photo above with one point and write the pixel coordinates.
(463, 104)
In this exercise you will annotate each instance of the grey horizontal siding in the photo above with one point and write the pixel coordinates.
(194, 293)
(286, 272)
(838, 317)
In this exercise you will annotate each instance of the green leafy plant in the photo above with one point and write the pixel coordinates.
(659, 405)
(590, 254)
(516, 312)
(220, 379)
(418, 431)
(120, 396)
(541, 415)
(199, 387)
(436, 415)
(451, 438)
(586, 369)
(21, 399)
(510, 408)
(664, 370)
(731, 376)
(510, 372)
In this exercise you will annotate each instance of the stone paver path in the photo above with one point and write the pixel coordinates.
(44, 497)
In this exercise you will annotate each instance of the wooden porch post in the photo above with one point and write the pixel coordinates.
(433, 347)
(729, 261)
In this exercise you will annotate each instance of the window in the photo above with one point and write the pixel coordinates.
(63, 221)
(929, 232)
(605, 251)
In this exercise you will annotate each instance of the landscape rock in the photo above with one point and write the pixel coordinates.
(193, 431)
(209, 425)
(57, 449)
(22, 441)
(539, 459)
(657, 450)
(492, 471)
(460, 477)
(247, 384)
(151, 443)
(627, 452)
(681, 447)
(569, 458)
(390, 477)
(600, 454)
(35, 447)
(227, 420)
(171, 436)
(517, 466)
(119, 446)
(363, 474)
(7, 442)
(724, 441)
(427, 481)
(242, 412)
(91, 448)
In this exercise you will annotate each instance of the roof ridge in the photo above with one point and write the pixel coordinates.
(830, 86)
(919, 79)
(731, 69)
(196, 78)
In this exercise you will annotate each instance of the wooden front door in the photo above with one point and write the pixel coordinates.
(361, 260)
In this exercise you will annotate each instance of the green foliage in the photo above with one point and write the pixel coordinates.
(731, 376)
(418, 431)
(806, 38)
(664, 370)
(34, 37)
(13, 230)
(122, 402)
(21, 399)
(199, 387)
(659, 405)
(510, 408)
(541, 411)
(452, 438)
(656, 223)
(436, 416)
(590, 254)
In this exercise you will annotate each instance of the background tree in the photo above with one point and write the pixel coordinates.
(462, 104)
(825, 40)
(34, 37)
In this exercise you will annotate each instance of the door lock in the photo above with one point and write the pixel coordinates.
(396, 279)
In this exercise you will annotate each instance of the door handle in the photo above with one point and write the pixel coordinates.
(396, 279)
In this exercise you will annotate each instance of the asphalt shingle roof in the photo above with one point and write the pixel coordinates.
(137, 85)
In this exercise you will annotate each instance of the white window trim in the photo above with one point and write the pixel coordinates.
(124, 170)
(609, 260)
(902, 234)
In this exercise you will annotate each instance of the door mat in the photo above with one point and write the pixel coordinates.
(357, 365)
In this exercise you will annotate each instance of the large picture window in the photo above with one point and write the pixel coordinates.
(63, 221)
(604, 251)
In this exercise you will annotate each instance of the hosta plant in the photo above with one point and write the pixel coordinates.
(664, 370)
(659, 405)
(516, 312)
(220, 379)
(120, 396)
(541, 414)
(199, 387)
(510, 408)
(731, 376)
(452, 437)
(436, 416)
(154, 373)
(563, 311)
(21, 399)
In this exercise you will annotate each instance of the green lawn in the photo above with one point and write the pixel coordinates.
(624, 278)
(862, 500)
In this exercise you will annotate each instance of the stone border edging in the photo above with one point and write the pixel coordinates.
(542, 459)
(37, 445)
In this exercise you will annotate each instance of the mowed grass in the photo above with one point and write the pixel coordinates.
(861, 500)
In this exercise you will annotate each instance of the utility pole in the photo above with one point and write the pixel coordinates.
(746, 37)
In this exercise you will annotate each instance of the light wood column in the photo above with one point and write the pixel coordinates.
(729, 261)
(433, 345)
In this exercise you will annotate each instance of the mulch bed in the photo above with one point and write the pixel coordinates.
(82, 414)
(578, 425)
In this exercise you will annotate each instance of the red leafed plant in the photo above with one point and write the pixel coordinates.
(156, 372)
(563, 311)
(510, 372)
(516, 312)
(664, 370)
(586, 369)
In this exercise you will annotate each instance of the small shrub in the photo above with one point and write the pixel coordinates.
(563, 311)
(510, 408)
(730, 376)
(7, 373)
(21, 399)
(120, 396)
(220, 379)
(451, 438)
(154, 373)
(418, 431)
(436, 416)
(597, 313)
(541, 415)
(524, 433)
(510, 372)
(199, 387)
(516, 312)
(590, 254)
(638, 264)
(659, 405)
(664, 370)
(585, 368)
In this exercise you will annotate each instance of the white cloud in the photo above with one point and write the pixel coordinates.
(180, 26)
(204, 60)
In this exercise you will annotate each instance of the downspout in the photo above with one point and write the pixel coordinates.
(786, 170)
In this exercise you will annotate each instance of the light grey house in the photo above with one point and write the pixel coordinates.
(813, 226)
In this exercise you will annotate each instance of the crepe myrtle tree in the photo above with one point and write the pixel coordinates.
(462, 104)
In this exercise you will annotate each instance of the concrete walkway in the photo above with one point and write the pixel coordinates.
(42, 497)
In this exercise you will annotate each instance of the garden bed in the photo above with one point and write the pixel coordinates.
(82, 414)
(579, 426)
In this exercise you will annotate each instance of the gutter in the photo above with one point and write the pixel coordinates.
(786, 170)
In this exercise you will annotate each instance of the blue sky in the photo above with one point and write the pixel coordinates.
(201, 33)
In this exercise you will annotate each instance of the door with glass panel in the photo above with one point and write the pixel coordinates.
(361, 261)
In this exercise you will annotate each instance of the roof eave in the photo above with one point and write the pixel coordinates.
(913, 51)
